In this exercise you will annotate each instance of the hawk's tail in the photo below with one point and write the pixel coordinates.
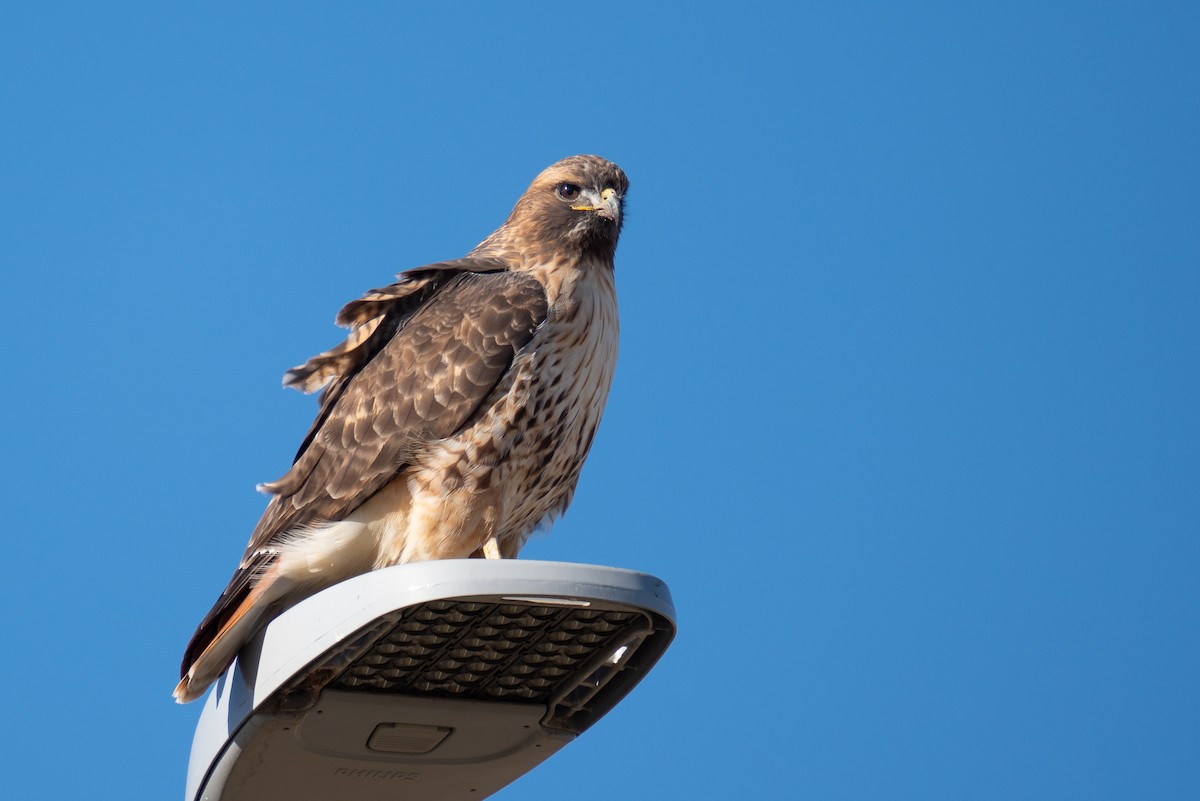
(217, 650)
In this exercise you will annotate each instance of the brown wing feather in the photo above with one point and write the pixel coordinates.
(442, 339)
(373, 320)
(443, 359)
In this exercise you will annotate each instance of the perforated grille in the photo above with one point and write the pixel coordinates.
(494, 651)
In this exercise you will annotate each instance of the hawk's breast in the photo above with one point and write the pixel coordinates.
(571, 361)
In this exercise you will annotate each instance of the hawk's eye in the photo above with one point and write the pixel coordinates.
(567, 191)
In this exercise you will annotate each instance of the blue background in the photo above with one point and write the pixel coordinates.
(906, 411)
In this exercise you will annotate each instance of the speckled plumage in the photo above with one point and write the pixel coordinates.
(455, 418)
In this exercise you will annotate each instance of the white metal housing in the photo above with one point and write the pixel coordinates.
(430, 681)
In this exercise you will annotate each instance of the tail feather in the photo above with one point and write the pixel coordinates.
(234, 632)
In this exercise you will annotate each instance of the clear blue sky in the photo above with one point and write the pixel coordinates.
(907, 406)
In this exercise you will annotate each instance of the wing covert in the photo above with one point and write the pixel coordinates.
(422, 380)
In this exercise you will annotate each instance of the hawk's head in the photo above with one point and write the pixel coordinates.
(574, 208)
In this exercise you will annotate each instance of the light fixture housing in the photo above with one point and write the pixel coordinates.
(430, 681)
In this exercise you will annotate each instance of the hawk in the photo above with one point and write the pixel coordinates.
(455, 417)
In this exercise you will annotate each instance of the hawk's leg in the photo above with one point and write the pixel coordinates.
(491, 548)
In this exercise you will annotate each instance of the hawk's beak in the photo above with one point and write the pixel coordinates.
(608, 205)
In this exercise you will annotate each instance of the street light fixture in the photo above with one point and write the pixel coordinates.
(430, 681)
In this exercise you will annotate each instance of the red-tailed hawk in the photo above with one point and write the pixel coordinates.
(455, 417)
